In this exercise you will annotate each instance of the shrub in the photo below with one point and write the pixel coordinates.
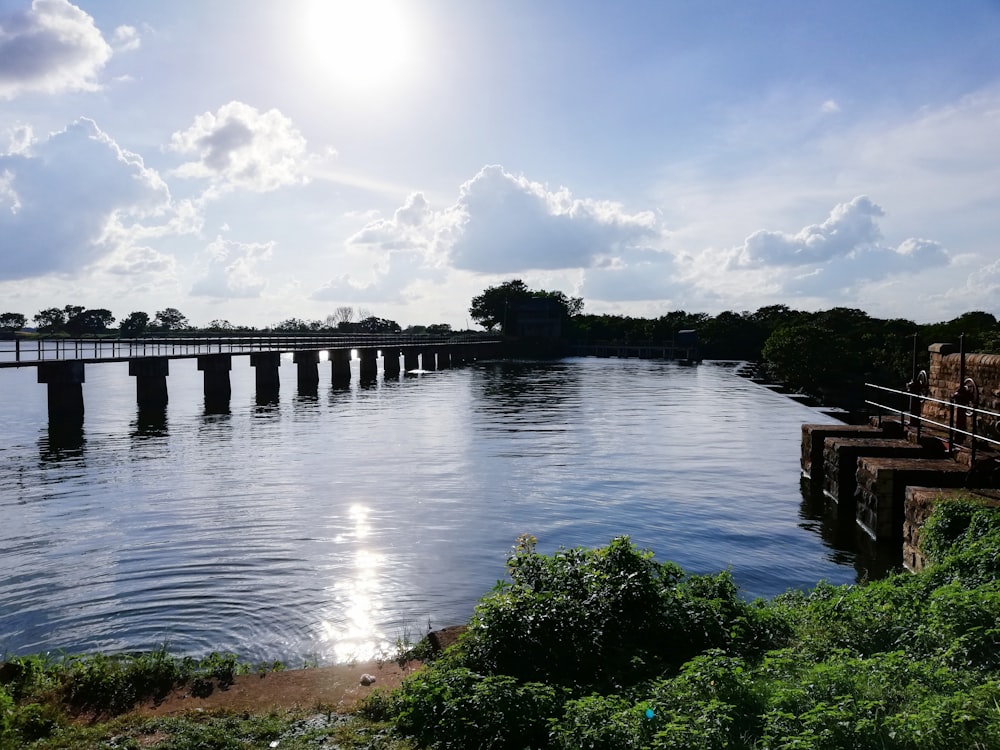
(6, 718)
(603, 722)
(455, 707)
(602, 619)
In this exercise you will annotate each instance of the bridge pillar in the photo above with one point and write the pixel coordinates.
(340, 364)
(216, 368)
(266, 366)
(65, 390)
(308, 368)
(390, 362)
(444, 357)
(150, 375)
(427, 360)
(410, 358)
(369, 364)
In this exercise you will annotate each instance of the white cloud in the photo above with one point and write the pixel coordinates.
(240, 147)
(79, 196)
(849, 228)
(508, 224)
(126, 39)
(233, 269)
(832, 263)
(830, 106)
(51, 48)
(500, 224)
(140, 261)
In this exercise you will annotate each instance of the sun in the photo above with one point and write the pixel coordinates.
(359, 45)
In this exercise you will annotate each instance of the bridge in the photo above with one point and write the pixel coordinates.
(61, 362)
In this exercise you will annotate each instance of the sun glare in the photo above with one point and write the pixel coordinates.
(358, 45)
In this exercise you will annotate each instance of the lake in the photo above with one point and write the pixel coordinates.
(326, 525)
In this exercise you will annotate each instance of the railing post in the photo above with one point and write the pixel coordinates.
(972, 445)
(951, 425)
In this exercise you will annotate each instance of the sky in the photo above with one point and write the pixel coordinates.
(254, 160)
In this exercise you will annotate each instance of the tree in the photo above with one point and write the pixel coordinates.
(371, 324)
(51, 319)
(90, 321)
(12, 321)
(291, 325)
(170, 319)
(343, 314)
(491, 309)
(135, 324)
(220, 325)
(497, 306)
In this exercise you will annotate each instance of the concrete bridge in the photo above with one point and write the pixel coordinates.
(61, 363)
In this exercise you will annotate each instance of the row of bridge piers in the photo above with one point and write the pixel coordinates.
(64, 379)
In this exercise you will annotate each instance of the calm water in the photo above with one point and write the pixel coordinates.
(327, 525)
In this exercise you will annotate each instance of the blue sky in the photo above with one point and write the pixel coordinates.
(258, 160)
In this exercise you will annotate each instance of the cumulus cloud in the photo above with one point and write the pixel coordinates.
(52, 47)
(849, 228)
(507, 224)
(501, 223)
(843, 253)
(232, 269)
(241, 147)
(71, 199)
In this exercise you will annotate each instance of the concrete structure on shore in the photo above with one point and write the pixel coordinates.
(939, 441)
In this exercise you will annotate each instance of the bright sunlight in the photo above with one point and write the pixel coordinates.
(359, 45)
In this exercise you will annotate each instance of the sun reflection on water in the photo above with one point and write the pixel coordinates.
(354, 636)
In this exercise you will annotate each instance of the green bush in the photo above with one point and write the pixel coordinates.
(457, 708)
(603, 619)
(603, 722)
(6, 718)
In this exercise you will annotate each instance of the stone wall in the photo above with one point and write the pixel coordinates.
(944, 378)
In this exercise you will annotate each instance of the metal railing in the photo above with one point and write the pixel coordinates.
(29, 352)
(963, 413)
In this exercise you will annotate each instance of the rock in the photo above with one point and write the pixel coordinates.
(367, 679)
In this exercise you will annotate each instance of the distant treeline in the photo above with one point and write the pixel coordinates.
(830, 353)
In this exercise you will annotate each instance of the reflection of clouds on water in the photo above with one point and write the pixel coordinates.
(354, 636)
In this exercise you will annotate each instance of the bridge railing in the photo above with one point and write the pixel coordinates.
(46, 349)
(965, 418)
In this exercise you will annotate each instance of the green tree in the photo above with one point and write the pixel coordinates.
(170, 319)
(812, 357)
(291, 325)
(12, 321)
(497, 306)
(90, 321)
(373, 324)
(51, 319)
(136, 324)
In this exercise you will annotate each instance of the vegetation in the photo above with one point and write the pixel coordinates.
(608, 648)
(497, 307)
